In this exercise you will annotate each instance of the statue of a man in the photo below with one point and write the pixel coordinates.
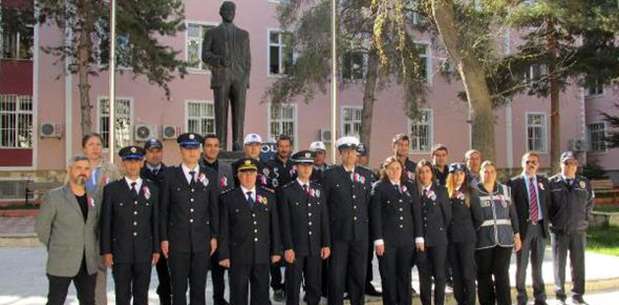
(226, 51)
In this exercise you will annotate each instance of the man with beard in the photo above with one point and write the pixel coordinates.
(67, 225)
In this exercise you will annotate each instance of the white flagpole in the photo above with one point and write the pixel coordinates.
(112, 71)
(333, 80)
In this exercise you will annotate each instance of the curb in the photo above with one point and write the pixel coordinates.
(24, 240)
(19, 213)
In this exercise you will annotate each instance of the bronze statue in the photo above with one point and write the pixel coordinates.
(226, 51)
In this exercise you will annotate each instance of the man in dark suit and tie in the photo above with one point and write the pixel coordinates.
(226, 50)
(129, 229)
(189, 221)
(531, 197)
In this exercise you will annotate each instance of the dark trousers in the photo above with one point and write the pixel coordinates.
(395, 274)
(164, 290)
(493, 262)
(532, 246)
(462, 260)
(254, 275)
(574, 243)
(131, 280)
(431, 264)
(308, 268)
(232, 92)
(276, 276)
(347, 270)
(217, 277)
(325, 277)
(84, 284)
(188, 267)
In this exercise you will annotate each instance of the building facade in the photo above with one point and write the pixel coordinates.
(40, 109)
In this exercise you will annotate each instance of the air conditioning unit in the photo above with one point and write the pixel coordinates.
(143, 132)
(50, 130)
(578, 145)
(170, 132)
(325, 135)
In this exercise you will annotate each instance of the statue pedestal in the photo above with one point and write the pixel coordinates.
(230, 156)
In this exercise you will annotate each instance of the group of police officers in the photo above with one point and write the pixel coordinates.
(323, 223)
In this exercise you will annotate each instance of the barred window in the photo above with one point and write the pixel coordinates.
(421, 132)
(597, 137)
(122, 124)
(536, 132)
(351, 121)
(282, 120)
(16, 121)
(195, 35)
(200, 117)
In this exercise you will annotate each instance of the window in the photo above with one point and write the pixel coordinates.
(195, 35)
(597, 137)
(282, 120)
(354, 65)
(122, 125)
(595, 88)
(536, 132)
(123, 55)
(200, 117)
(534, 73)
(426, 63)
(351, 121)
(280, 52)
(17, 45)
(15, 121)
(421, 131)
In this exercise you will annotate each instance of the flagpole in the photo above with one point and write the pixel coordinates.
(333, 80)
(112, 71)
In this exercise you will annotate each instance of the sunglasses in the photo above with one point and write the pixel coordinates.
(531, 162)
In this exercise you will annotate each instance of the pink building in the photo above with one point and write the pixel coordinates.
(40, 125)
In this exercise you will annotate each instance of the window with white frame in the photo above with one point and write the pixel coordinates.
(122, 124)
(200, 117)
(282, 120)
(595, 88)
(425, 59)
(597, 137)
(280, 52)
(536, 132)
(351, 120)
(195, 35)
(534, 72)
(354, 65)
(16, 121)
(17, 45)
(421, 131)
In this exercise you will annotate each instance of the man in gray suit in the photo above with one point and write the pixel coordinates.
(226, 51)
(225, 180)
(67, 226)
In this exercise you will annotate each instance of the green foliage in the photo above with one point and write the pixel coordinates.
(604, 240)
(141, 25)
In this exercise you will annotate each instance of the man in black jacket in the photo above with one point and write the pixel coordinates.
(305, 231)
(531, 197)
(189, 221)
(347, 190)
(250, 237)
(129, 229)
(153, 170)
(571, 202)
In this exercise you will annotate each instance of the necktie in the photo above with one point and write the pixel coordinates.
(250, 199)
(193, 177)
(425, 193)
(134, 191)
(397, 188)
(351, 175)
(533, 210)
(306, 189)
(155, 171)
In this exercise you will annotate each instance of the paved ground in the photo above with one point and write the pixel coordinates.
(23, 278)
(16, 225)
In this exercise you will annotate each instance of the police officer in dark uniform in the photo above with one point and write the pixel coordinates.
(319, 150)
(436, 213)
(252, 145)
(347, 189)
(129, 229)
(225, 181)
(282, 171)
(189, 221)
(153, 170)
(401, 146)
(396, 223)
(250, 237)
(462, 235)
(570, 209)
(305, 231)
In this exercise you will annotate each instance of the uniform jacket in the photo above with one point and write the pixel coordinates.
(436, 216)
(570, 205)
(189, 213)
(495, 217)
(461, 228)
(130, 228)
(249, 234)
